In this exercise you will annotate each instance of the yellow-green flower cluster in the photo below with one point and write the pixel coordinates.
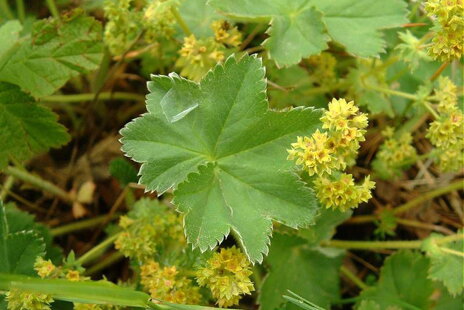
(342, 191)
(227, 275)
(79, 306)
(144, 231)
(323, 66)
(123, 25)
(197, 56)
(158, 19)
(47, 270)
(21, 300)
(326, 154)
(226, 34)
(447, 43)
(168, 285)
(447, 132)
(397, 151)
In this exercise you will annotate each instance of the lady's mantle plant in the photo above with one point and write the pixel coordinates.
(221, 149)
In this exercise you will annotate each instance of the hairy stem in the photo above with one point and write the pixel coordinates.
(354, 278)
(80, 225)
(97, 250)
(53, 9)
(183, 25)
(412, 203)
(38, 182)
(370, 245)
(20, 9)
(90, 96)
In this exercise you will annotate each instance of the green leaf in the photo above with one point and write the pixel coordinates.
(296, 31)
(308, 272)
(447, 302)
(230, 144)
(198, 16)
(123, 171)
(298, 28)
(324, 228)
(403, 283)
(45, 60)
(19, 250)
(26, 129)
(446, 267)
(356, 23)
(9, 34)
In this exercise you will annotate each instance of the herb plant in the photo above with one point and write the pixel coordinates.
(282, 155)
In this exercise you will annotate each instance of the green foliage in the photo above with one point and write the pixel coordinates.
(123, 171)
(308, 272)
(18, 250)
(46, 59)
(446, 267)
(298, 28)
(215, 139)
(26, 128)
(403, 283)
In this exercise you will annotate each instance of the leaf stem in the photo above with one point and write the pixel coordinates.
(6, 187)
(20, 9)
(354, 278)
(452, 252)
(412, 203)
(368, 245)
(38, 182)
(392, 92)
(80, 225)
(107, 261)
(183, 25)
(5, 7)
(53, 9)
(97, 250)
(90, 96)
(439, 71)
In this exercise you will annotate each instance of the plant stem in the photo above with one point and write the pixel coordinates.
(38, 182)
(250, 37)
(97, 250)
(427, 196)
(4, 7)
(80, 225)
(107, 261)
(392, 92)
(90, 96)
(53, 9)
(452, 252)
(359, 283)
(411, 204)
(439, 71)
(183, 25)
(6, 187)
(368, 245)
(20, 9)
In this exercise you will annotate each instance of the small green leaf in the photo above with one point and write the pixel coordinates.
(308, 272)
(446, 267)
(45, 60)
(123, 171)
(198, 16)
(297, 28)
(229, 144)
(26, 129)
(19, 250)
(403, 283)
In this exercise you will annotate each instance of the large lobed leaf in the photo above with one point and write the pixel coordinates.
(299, 28)
(218, 143)
(26, 128)
(44, 61)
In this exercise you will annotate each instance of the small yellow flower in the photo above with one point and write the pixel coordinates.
(44, 268)
(343, 193)
(167, 284)
(314, 154)
(226, 34)
(227, 274)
